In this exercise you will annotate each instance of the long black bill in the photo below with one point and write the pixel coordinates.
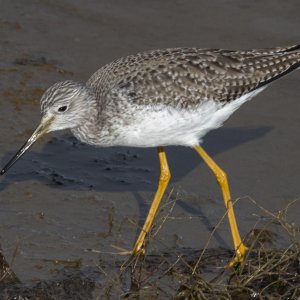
(41, 130)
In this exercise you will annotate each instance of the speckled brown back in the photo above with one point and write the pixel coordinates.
(183, 77)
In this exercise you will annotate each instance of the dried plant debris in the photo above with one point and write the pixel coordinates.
(7, 276)
(269, 271)
(267, 274)
(71, 287)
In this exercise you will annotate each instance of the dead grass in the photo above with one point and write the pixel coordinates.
(268, 272)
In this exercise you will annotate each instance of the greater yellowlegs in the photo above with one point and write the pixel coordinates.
(160, 98)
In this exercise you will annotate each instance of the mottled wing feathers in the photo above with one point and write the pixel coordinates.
(183, 77)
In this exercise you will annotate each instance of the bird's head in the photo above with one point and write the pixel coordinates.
(64, 105)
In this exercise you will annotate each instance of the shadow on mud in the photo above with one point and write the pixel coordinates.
(68, 163)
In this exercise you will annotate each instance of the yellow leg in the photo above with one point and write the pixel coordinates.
(240, 248)
(164, 179)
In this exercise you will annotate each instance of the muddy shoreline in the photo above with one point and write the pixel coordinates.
(58, 202)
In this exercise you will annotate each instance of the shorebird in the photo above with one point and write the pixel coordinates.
(160, 98)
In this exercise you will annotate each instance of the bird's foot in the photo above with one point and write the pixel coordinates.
(138, 250)
(239, 257)
(121, 251)
(135, 256)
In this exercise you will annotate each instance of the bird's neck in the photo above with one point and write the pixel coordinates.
(84, 132)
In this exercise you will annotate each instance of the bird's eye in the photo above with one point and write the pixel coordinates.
(62, 108)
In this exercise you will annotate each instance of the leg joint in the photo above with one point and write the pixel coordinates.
(221, 177)
(165, 175)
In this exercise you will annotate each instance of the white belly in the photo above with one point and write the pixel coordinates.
(163, 125)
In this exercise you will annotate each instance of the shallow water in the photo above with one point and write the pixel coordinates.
(68, 201)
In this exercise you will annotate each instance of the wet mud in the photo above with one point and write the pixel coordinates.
(67, 209)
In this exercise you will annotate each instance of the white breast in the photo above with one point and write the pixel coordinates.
(162, 125)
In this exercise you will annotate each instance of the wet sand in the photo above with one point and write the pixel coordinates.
(63, 198)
